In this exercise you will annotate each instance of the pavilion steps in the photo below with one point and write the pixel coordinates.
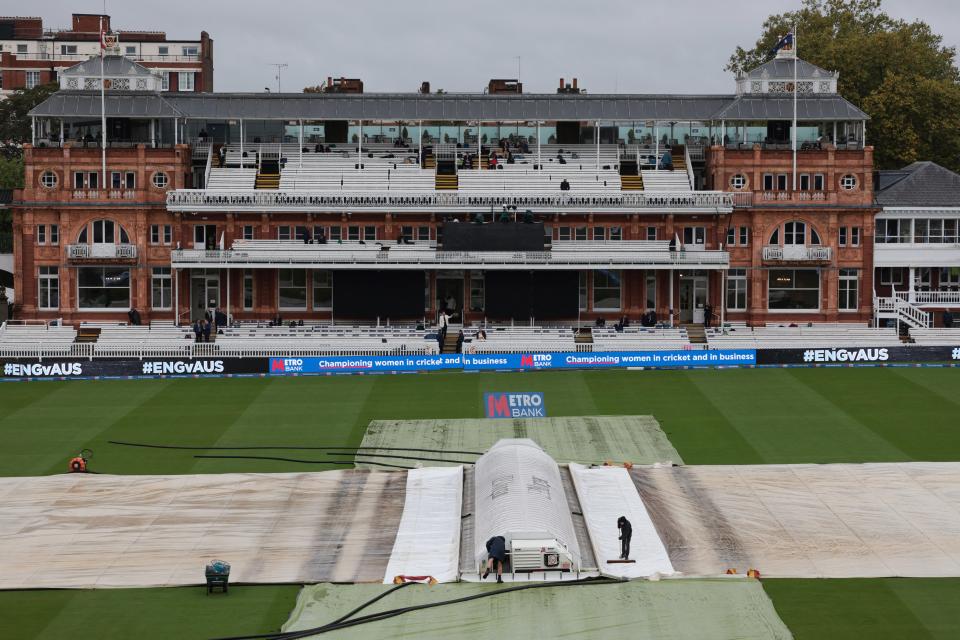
(446, 182)
(696, 333)
(87, 334)
(631, 183)
(268, 175)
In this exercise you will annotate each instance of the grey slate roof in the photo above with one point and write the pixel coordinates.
(921, 184)
(782, 69)
(412, 107)
(827, 107)
(113, 67)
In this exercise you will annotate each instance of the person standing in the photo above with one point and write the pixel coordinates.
(626, 532)
(707, 315)
(496, 553)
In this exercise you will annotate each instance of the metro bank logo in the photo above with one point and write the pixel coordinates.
(536, 361)
(507, 404)
(286, 365)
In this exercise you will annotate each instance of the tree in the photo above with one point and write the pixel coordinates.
(14, 118)
(885, 64)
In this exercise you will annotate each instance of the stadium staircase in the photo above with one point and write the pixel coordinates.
(450, 342)
(429, 161)
(448, 182)
(631, 183)
(268, 175)
(584, 335)
(87, 334)
(898, 308)
(696, 333)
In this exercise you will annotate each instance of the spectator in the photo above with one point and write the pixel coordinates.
(460, 338)
(564, 185)
(666, 161)
(496, 553)
(220, 318)
(707, 315)
(206, 329)
(626, 532)
(197, 331)
(481, 335)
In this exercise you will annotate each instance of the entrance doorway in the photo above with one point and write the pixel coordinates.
(693, 297)
(450, 294)
(205, 237)
(204, 292)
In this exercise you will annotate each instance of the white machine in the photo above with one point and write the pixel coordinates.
(519, 495)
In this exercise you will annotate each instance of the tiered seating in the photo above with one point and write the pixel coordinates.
(936, 337)
(641, 339)
(506, 339)
(528, 179)
(339, 172)
(673, 181)
(33, 339)
(231, 178)
(579, 156)
(323, 339)
(804, 337)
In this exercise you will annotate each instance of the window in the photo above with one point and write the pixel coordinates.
(854, 236)
(68, 49)
(130, 51)
(891, 275)
(247, 232)
(694, 235)
(794, 290)
(893, 230)
(161, 288)
(651, 233)
(616, 234)
(580, 234)
(843, 237)
(292, 285)
(54, 234)
(848, 182)
(103, 232)
(336, 234)
(353, 233)
(191, 51)
(423, 234)
(583, 290)
(781, 182)
(163, 51)
(369, 233)
(185, 81)
(284, 233)
(768, 182)
(818, 182)
(563, 233)
(49, 294)
(737, 289)
(477, 291)
(160, 180)
(21, 48)
(849, 289)
(161, 234)
(48, 179)
(33, 79)
(950, 231)
(949, 277)
(606, 290)
(744, 236)
(804, 182)
(164, 81)
(651, 292)
(247, 289)
(731, 236)
(322, 289)
(599, 233)
(41, 234)
(794, 233)
(103, 288)
(738, 181)
(775, 237)
(123, 180)
(814, 237)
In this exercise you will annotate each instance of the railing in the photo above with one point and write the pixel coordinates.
(104, 251)
(898, 308)
(144, 349)
(686, 158)
(930, 297)
(104, 194)
(209, 166)
(252, 200)
(797, 253)
(793, 196)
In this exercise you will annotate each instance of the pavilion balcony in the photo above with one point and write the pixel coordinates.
(796, 253)
(936, 298)
(101, 251)
(249, 200)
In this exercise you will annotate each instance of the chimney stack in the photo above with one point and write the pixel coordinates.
(574, 83)
(561, 83)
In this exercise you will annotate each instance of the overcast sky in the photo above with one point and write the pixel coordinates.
(644, 46)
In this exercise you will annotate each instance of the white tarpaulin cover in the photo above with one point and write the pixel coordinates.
(606, 493)
(428, 539)
(808, 521)
(519, 494)
(83, 531)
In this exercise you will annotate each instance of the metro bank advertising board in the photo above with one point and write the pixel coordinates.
(519, 404)
(611, 359)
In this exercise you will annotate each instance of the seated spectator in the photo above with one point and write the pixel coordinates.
(564, 185)
(666, 161)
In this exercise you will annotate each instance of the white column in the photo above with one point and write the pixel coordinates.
(539, 161)
(229, 272)
(670, 289)
(656, 151)
(241, 144)
(723, 297)
(176, 297)
(301, 143)
(61, 133)
(153, 134)
(176, 132)
(912, 284)
(420, 142)
(360, 144)
(834, 133)
(597, 129)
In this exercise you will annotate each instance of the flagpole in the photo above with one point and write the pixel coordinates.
(794, 107)
(103, 111)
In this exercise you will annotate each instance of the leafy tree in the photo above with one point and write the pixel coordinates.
(898, 72)
(14, 121)
(11, 173)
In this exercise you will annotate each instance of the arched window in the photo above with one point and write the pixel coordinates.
(103, 232)
(794, 232)
(775, 237)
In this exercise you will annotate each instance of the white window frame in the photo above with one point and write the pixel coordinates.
(306, 288)
(314, 286)
(186, 81)
(848, 182)
(841, 236)
(31, 79)
(737, 286)
(161, 277)
(619, 276)
(886, 276)
(744, 237)
(248, 287)
(697, 236)
(738, 181)
(819, 292)
(48, 285)
(248, 232)
(844, 291)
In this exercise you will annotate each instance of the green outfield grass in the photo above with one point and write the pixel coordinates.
(735, 416)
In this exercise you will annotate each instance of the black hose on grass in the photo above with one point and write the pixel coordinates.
(382, 455)
(343, 623)
(343, 462)
(269, 447)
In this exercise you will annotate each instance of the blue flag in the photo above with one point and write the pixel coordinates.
(786, 40)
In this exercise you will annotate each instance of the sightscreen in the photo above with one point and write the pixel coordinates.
(544, 295)
(372, 294)
(496, 236)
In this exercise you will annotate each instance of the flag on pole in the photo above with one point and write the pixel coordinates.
(785, 41)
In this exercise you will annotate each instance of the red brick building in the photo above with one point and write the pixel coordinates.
(276, 204)
(32, 55)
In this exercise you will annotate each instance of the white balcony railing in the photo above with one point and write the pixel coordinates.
(104, 194)
(106, 251)
(933, 298)
(797, 253)
(267, 201)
